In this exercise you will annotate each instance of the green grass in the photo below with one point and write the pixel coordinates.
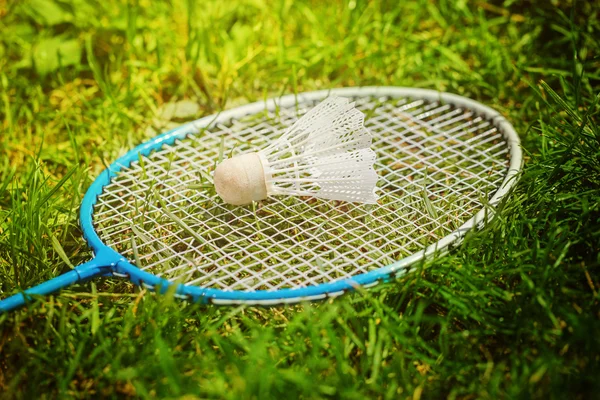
(514, 312)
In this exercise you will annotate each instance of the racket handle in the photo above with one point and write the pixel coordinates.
(83, 271)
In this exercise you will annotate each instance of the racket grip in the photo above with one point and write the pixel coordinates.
(84, 271)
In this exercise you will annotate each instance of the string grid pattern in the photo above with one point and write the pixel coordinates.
(437, 164)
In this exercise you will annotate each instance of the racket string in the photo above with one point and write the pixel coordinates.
(437, 164)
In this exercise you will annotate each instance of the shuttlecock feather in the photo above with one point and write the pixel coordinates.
(325, 154)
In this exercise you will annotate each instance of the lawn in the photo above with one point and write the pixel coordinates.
(513, 313)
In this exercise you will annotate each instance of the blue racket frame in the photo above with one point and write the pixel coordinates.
(107, 262)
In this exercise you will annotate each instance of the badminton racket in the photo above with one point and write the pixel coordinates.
(444, 164)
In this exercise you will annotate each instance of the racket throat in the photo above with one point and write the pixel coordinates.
(103, 264)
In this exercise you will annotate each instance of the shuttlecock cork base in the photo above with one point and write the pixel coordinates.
(325, 154)
(241, 180)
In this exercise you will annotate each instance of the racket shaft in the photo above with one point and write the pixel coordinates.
(45, 288)
(83, 272)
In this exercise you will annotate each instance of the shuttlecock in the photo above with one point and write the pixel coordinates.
(325, 154)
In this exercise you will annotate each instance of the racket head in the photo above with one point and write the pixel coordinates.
(401, 119)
